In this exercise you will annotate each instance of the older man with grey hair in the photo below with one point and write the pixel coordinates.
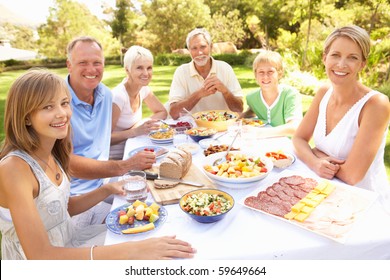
(204, 83)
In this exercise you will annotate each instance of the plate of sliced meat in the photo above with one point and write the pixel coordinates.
(318, 205)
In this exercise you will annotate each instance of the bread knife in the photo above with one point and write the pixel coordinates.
(155, 176)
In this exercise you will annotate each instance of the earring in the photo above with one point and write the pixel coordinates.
(27, 122)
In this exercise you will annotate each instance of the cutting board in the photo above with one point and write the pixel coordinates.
(173, 195)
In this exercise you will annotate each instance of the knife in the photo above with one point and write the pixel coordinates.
(155, 176)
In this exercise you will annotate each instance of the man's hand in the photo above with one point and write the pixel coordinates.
(212, 84)
(142, 160)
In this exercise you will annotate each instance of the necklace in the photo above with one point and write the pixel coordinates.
(58, 175)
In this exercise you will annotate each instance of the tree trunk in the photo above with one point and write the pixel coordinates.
(303, 63)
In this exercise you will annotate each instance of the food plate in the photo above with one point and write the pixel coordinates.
(158, 150)
(112, 221)
(254, 122)
(161, 137)
(205, 143)
(282, 163)
(333, 217)
(236, 183)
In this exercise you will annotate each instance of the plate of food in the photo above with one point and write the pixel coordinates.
(315, 204)
(253, 122)
(136, 218)
(159, 151)
(281, 159)
(162, 137)
(239, 171)
(212, 149)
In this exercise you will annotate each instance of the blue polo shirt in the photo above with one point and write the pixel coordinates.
(91, 126)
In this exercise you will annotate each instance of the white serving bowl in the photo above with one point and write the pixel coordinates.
(237, 183)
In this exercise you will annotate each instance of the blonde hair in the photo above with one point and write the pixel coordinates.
(134, 53)
(353, 32)
(27, 94)
(271, 57)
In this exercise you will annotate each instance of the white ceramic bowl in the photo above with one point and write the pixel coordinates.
(237, 183)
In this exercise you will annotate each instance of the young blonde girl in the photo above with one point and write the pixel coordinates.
(35, 202)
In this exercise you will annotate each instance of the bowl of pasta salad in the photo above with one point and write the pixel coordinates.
(206, 205)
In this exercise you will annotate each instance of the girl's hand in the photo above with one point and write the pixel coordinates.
(116, 187)
(161, 248)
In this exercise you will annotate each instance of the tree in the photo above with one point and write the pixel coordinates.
(21, 37)
(121, 21)
(68, 19)
(228, 26)
(171, 20)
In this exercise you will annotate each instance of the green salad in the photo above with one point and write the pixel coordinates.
(204, 204)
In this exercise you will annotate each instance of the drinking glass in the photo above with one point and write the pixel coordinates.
(180, 136)
(135, 186)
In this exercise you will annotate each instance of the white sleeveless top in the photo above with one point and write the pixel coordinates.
(127, 118)
(338, 143)
(52, 205)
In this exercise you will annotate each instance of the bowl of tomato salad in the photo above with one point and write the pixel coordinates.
(206, 205)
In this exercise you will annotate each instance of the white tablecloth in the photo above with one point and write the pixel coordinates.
(249, 234)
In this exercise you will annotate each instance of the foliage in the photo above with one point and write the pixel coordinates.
(243, 58)
(121, 21)
(227, 26)
(171, 20)
(67, 20)
(20, 37)
(171, 59)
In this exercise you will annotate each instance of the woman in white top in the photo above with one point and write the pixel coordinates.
(128, 97)
(35, 201)
(347, 120)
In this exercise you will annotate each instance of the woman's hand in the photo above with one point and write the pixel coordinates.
(147, 127)
(161, 248)
(327, 167)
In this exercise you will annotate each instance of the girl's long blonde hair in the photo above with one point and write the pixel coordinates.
(27, 94)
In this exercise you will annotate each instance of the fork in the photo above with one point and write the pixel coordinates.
(223, 159)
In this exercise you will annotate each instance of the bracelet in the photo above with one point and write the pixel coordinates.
(91, 252)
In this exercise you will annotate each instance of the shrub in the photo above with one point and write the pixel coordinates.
(171, 59)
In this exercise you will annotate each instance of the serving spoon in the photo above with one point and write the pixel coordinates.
(223, 159)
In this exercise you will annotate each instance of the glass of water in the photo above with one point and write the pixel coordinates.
(135, 186)
(180, 136)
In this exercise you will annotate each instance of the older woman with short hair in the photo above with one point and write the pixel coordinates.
(128, 97)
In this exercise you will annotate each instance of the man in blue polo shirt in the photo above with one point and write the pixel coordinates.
(91, 124)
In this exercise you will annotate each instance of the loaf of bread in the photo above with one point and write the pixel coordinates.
(176, 164)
